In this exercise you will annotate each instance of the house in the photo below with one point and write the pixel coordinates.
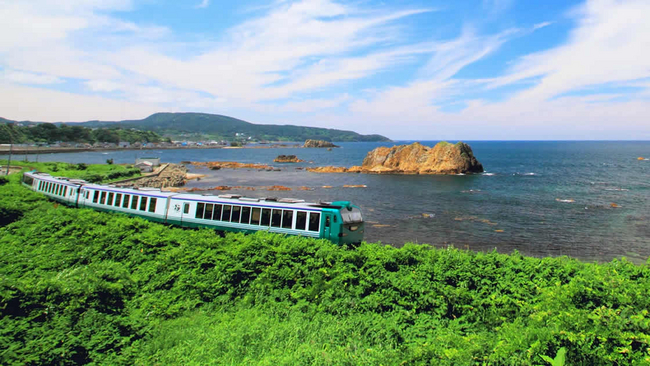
(144, 166)
(154, 161)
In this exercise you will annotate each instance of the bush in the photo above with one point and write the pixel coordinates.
(79, 286)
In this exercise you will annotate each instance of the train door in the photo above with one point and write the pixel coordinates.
(185, 211)
(327, 224)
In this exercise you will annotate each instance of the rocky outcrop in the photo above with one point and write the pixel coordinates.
(216, 165)
(287, 159)
(318, 143)
(328, 169)
(444, 158)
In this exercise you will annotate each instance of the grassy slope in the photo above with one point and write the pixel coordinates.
(93, 173)
(78, 286)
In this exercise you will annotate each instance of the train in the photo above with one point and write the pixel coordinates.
(339, 222)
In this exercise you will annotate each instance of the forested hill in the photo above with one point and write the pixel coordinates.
(214, 126)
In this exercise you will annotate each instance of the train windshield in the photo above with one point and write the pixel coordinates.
(351, 216)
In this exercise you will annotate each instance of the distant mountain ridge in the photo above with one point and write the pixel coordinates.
(215, 126)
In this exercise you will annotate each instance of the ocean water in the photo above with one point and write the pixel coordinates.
(589, 200)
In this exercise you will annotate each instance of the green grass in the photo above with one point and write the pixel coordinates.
(85, 287)
(94, 173)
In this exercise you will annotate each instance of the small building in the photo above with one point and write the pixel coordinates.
(144, 166)
(154, 161)
(125, 144)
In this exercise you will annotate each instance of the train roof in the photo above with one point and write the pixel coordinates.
(63, 180)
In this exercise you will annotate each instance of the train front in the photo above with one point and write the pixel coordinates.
(353, 226)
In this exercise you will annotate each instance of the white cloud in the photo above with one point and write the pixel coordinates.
(51, 105)
(203, 4)
(312, 105)
(22, 77)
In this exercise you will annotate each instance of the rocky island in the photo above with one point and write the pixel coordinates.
(444, 158)
(318, 143)
(287, 159)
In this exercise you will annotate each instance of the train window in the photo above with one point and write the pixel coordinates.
(255, 217)
(276, 217)
(118, 199)
(65, 191)
(236, 213)
(245, 214)
(217, 212)
(40, 184)
(200, 207)
(327, 221)
(226, 213)
(152, 204)
(287, 219)
(110, 198)
(95, 196)
(314, 221)
(208, 211)
(102, 200)
(125, 203)
(143, 204)
(266, 216)
(335, 219)
(56, 189)
(87, 194)
(186, 208)
(134, 202)
(301, 220)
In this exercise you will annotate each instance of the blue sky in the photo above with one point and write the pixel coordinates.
(459, 70)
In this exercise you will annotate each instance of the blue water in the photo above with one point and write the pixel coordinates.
(540, 198)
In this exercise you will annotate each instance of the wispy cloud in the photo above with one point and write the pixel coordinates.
(203, 4)
(337, 62)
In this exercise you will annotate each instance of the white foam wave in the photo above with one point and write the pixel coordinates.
(488, 174)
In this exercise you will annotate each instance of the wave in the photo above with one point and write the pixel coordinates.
(568, 200)
(616, 189)
(488, 174)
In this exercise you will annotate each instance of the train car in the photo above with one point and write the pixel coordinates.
(340, 222)
(63, 190)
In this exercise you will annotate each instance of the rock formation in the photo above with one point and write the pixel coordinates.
(318, 143)
(328, 169)
(287, 159)
(444, 158)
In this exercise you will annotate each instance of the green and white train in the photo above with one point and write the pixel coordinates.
(340, 222)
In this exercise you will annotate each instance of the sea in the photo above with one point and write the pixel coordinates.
(585, 199)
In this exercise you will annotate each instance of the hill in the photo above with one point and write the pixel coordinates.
(214, 126)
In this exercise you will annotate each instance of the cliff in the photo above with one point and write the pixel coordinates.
(318, 143)
(444, 158)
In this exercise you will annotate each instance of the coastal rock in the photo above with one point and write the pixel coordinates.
(444, 158)
(216, 165)
(318, 143)
(328, 169)
(287, 159)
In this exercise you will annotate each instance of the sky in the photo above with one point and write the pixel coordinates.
(407, 69)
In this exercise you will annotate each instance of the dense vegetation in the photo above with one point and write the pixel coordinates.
(50, 133)
(202, 126)
(78, 286)
(93, 173)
